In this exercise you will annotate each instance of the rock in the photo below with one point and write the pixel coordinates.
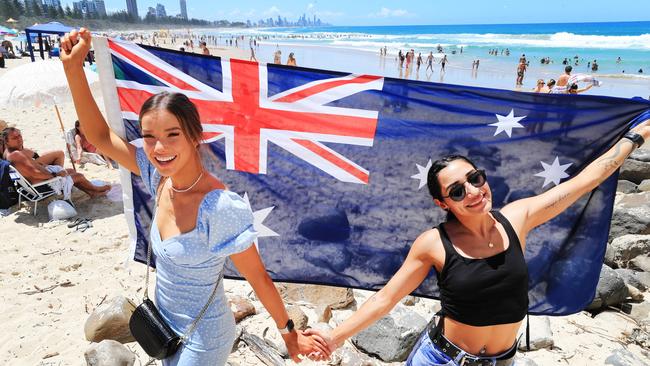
(324, 313)
(298, 316)
(641, 262)
(629, 251)
(641, 155)
(392, 337)
(241, 307)
(634, 278)
(611, 290)
(631, 215)
(644, 186)
(635, 171)
(410, 300)
(625, 186)
(266, 353)
(634, 293)
(541, 335)
(110, 321)
(109, 353)
(641, 312)
(623, 357)
(335, 297)
(521, 360)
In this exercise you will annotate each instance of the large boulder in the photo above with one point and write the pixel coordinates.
(110, 321)
(392, 337)
(641, 155)
(541, 335)
(639, 280)
(241, 307)
(335, 297)
(644, 186)
(109, 353)
(623, 357)
(611, 290)
(627, 252)
(635, 171)
(625, 186)
(631, 215)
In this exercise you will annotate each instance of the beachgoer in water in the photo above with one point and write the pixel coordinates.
(563, 80)
(443, 62)
(540, 87)
(198, 223)
(521, 70)
(430, 61)
(291, 60)
(574, 89)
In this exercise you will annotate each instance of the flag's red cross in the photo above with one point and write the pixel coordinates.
(249, 118)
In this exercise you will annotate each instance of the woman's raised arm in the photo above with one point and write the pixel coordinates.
(542, 208)
(74, 48)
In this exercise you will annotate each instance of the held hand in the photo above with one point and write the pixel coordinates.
(74, 47)
(300, 344)
(326, 337)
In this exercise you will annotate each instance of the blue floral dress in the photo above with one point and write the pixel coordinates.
(188, 266)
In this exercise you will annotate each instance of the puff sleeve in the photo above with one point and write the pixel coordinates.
(230, 224)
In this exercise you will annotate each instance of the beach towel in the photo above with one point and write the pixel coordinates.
(8, 193)
(61, 186)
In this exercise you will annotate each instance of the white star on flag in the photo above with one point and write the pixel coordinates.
(258, 220)
(554, 172)
(507, 123)
(422, 174)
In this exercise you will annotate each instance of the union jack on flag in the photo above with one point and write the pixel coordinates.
(294, 141)
(244, 114)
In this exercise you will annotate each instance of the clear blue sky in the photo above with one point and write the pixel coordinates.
(368, 12)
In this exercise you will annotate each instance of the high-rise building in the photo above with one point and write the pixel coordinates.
(160, 11)
(132, 8)
(100, 8)
(52, 3)
(183, 9)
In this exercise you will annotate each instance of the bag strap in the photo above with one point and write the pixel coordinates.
(187, 334)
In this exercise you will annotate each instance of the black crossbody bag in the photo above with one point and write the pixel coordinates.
(151, 331)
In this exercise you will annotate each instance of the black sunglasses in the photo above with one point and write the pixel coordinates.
(457, 192)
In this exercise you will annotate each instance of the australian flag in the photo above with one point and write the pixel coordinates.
(334, 165)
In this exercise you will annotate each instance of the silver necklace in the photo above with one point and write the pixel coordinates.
(188, 188)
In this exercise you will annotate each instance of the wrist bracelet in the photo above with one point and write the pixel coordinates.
(636, 138)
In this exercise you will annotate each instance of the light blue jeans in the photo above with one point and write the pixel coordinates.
(425, 353)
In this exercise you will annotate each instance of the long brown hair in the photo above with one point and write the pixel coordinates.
(181, 107)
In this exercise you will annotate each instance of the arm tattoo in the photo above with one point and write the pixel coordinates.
(559, 199)
(611, 162)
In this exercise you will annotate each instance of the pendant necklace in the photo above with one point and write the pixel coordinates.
(185, 189)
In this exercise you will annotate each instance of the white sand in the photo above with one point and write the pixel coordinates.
(80, 270)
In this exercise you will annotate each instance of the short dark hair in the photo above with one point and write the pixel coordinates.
(181, 107)
(568, 68)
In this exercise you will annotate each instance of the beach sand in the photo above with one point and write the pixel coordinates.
(53, 277)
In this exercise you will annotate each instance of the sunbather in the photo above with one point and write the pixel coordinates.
(82, 145)
(37, 169)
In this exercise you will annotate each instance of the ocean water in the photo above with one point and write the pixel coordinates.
(604, 42)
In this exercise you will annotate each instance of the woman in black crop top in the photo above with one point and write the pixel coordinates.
(478, 255)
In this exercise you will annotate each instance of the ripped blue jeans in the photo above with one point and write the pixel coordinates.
(425, 353)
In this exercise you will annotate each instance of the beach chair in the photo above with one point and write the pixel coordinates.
(32, 192)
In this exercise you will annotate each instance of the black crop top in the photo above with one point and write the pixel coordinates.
(488, 291)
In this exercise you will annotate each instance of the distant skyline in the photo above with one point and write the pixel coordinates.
(369, 12)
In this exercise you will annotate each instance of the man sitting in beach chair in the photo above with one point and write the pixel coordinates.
(37, 168)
